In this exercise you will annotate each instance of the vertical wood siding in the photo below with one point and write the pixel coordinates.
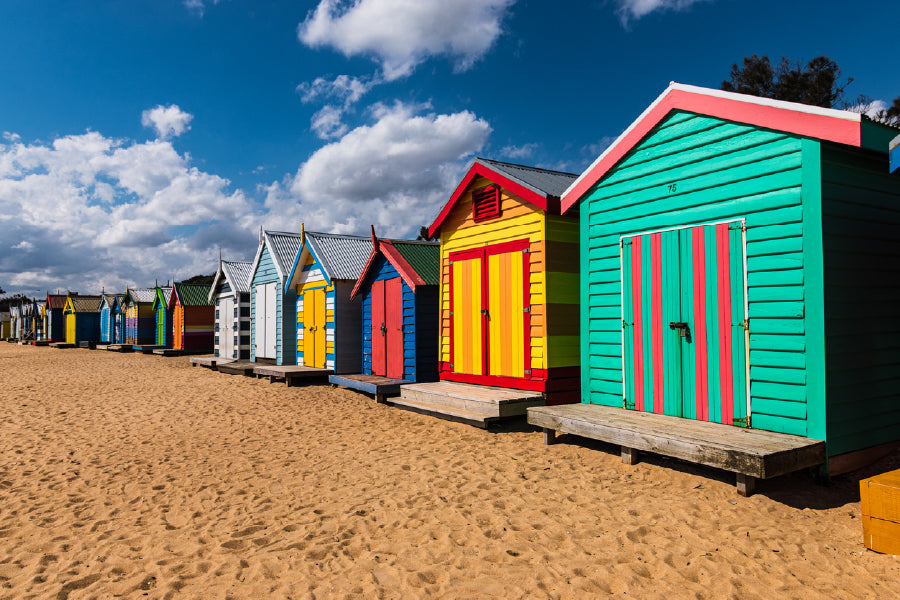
(861, 244)
(312, 278)
(284, 343)
(694, 170)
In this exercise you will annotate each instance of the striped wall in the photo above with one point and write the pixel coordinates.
(312, 278)
(241, 315)
(695, 170)
(860, 224)
(140, 324)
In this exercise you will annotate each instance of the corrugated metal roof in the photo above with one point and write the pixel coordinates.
(543, 181)
(342, 256)
(284, 247)
(110, 298)
(239, 274)
(86, 303)
(142, 296)
(424, 257)
(57, 300)
(193, 294)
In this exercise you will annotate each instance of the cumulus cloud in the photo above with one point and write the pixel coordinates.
(518, 152)
(635, 9)
(88, 211)
(395, 173)
(343, 88)
(401, 34)
(199, 6)
(168, 121)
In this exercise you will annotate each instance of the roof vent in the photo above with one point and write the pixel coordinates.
(486, 203)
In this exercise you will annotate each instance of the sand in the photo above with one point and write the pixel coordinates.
(131, 476)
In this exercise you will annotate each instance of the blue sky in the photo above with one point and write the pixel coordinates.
(139, 137)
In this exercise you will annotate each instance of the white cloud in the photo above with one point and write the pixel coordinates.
(327, 123)
(92, 211)
(199, 6)
(518, 152)
(395, 173)
(168, 121)
(401, 34)
(344, 88)
(635, 9)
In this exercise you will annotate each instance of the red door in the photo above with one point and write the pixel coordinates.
(387, 328)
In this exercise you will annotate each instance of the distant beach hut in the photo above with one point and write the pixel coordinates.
(398, 290)
(117, 320)
(738, 264)
(193, 318)
(5, 329)
(14, 321)
(82, 314)
(272, 302)
(55, 323)
(895, 154)
(328, 324)
(107, 301)
(230, 294)
(39, 311)
(163, 316)
(140, 320)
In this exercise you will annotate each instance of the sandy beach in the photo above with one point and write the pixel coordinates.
(130, 476)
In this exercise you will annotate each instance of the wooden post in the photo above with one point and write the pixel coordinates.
(379, 399)
(271, 379)
(630, 456)
(746, 484)
(549, 436)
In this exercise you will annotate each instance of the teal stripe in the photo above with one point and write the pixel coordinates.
(628, 318)
(738, 354)
(688, 348)
(671, 313)
(647, 319)
(712, 324)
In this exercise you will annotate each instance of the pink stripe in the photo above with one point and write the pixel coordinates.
(725, 366)
(701, 368)
(656, 309)
(636, 308)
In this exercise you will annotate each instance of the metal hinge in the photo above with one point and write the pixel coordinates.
(627, 405)
(743, 421)
(526, 250)
(527, 371)
(527, 309)
(451, 366)
(745, 324)
(451, 313)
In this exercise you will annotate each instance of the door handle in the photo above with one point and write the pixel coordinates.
(383, 329)
(684, 330)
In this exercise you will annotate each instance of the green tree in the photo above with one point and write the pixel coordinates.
(423, 235)
(818, 82)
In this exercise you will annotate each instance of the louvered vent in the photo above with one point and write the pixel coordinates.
(486, 203)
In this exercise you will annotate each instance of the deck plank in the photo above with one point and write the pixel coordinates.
(750, 452)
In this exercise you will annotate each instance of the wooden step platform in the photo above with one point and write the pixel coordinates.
(477, 405)
(290, 373)
(209, 361)
(750, 453)
(42, 343)
(236, 367)
(88, 345)
(61, 345)
(119, 348)
(380, 387)
(148, 349)
(168, 352)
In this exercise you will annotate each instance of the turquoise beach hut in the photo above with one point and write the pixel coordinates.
(273, 303)
(738, 259)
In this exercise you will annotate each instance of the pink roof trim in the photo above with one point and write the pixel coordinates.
(827, 124)
(488, 173)
(393, 256)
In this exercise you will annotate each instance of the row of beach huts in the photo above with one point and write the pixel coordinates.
(721, 286)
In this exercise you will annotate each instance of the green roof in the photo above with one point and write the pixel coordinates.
(193, 294)
(423, 257)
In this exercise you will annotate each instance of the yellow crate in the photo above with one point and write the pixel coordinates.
(880, 500)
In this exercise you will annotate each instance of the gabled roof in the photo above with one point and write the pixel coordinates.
(87, 304)
(145, 296)
(57, 300)
(191, 294)
(540, 187)
(419, 263)
(283, 246)
(109, 299)
(237, 273)
(162, 294)
(827, 124)
(341, 256)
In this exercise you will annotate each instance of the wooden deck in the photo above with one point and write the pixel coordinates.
(477, 405)
(750, 453)
(61, 345)
(380, 387)
(168, 352)
(236, 367)
(42, 343)
(290, 373)
(209, 361)
(148, 349)
(119, 348)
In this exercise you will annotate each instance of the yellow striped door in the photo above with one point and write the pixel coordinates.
(314, 324)
(70, 328)
(506, 307)
(467, 316)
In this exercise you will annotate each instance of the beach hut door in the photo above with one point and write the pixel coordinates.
(387, 328)
(490, 309)
(70, 328)
(314, 334)
(684, 328)
(265, 320)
